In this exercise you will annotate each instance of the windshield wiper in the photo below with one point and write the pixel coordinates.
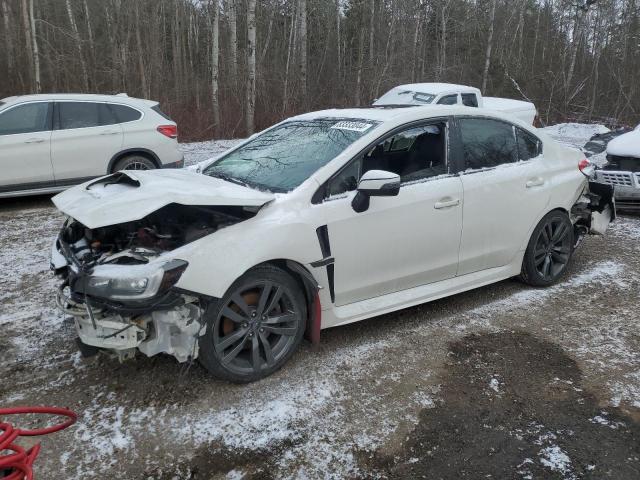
(227, 178)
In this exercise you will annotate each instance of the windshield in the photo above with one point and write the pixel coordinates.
(404, 97)
(282, 158)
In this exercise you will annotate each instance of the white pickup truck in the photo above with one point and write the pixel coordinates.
(450, 94)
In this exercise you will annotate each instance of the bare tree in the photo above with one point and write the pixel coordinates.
(215, 59)
(251, 67)
(487, 54)
(78, 42)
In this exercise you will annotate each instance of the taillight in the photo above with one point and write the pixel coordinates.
(582, 164)
(170, 131)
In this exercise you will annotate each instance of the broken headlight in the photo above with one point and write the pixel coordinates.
(137, 282)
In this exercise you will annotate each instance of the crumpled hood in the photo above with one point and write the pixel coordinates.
(133, 194)
(626, 145)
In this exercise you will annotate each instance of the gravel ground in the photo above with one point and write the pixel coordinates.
(504, 381)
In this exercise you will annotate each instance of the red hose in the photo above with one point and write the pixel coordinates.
(18, 465)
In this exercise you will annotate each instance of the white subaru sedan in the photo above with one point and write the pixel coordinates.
(49, 142)
(321, 220)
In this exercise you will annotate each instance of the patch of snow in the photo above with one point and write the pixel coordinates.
(494, 384)
(197, 152)
(556, 459)
(574, 134)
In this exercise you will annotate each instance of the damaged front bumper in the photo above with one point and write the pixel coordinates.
(110, 318)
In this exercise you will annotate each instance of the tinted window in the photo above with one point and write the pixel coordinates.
(487, 143)
(84, 114)
(448, 100)
(161, 113)
(469, 99)
(29, 118)
(282, 158)
(415, 154)
(528, 145)
(346, 180)
(125, 114)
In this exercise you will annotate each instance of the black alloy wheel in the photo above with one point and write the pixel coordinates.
(549, 250)
(256, 327)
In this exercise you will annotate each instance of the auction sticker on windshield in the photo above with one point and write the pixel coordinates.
(353, 126)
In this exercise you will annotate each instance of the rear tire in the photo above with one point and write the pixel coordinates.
(255, 328)
(549, 250)
(134, 162)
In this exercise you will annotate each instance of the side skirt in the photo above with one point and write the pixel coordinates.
(391, 302)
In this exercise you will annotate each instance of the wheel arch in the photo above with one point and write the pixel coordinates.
(144, 152)
(546, 212)
(310, 288)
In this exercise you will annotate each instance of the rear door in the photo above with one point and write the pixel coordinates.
(506, 190)
(86, 137)
(25, 140)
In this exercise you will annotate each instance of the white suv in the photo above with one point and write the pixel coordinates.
(49, 142)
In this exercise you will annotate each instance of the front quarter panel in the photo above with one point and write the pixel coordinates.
(280, 231)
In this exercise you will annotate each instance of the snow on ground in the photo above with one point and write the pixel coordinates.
(574, 134)
(200, 151)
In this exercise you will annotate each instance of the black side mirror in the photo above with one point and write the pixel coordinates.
(375, 183)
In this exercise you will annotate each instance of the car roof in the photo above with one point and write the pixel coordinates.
(385, 113)
(437, 88)
(121, 98)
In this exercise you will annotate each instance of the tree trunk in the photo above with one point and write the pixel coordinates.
(251, 67)
(27, 35)
(78, 42)
(34, 46)
(372, 25)
(303, 51)
(233, 39)
(141, 69)
(338, 42)
(487, 55)
(290, 52)
(8, 38)
(215, 54)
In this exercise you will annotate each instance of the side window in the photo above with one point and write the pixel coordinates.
(487, 143)
(470, 99)
(528, 145)
(84, 115)
(346, 180)
(125, 114)
(28, 118)
(448, 100)
(415, 154)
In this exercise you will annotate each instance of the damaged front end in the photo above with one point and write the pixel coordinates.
(120, 286)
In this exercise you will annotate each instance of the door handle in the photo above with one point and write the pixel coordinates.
(110, 132)
(446, 203)
(34, 140)
(535, 182)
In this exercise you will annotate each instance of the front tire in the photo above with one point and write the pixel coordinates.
(255, 328)
(549, 250)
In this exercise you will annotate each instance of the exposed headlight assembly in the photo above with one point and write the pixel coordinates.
(134, 282)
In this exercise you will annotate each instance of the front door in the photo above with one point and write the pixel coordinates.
(86, 138)
(25, 141)
(399, 242)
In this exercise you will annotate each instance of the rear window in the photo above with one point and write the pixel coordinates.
(161, 113)
(125, 114)
(487, 143)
